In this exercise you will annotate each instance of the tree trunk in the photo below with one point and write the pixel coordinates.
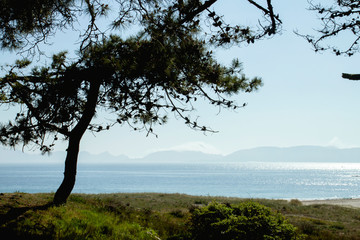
(75, 136)
(68, 183)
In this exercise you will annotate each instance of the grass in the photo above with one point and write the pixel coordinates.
(149, 216)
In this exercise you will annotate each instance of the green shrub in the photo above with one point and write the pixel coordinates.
(90, 224)
(248, 220)
(75, 223)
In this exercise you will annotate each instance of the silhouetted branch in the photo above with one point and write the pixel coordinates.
(354, 77)
(268, 11)
(190, 16)
(340, 18)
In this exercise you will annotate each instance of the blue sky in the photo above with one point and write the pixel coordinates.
(304, 100)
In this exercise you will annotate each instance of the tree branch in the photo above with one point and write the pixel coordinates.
(190, 16)
(354, 77)
(269, 11)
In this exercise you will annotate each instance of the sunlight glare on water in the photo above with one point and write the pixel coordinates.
(246, 180)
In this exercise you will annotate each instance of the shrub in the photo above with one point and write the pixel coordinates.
(76, 223)
(248, 220)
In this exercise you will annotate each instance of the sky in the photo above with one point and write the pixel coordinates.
(304, 100)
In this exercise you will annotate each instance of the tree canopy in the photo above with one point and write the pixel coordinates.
(339, 20)
(162, 68)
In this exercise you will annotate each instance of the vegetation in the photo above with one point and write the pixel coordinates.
(164, 216)
(248, 220)
(339, 20)
(161, 66)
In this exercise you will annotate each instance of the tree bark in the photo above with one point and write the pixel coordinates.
(75, 136)
(68, 183)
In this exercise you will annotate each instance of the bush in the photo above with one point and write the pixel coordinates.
(248, 220)
(75, 223)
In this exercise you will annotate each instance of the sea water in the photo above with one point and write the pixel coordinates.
(246, 180)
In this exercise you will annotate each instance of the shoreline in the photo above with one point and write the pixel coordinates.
(346, 202)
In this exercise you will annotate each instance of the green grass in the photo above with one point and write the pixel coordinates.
(149, 216)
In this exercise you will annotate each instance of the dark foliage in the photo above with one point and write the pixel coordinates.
(340, 19)
(139, 80)
(248, 220)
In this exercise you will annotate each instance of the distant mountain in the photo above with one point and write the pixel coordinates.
(295, 154)
(9, 156)
(181, 156)
(18, 157)
(260, 154)
(105, 157)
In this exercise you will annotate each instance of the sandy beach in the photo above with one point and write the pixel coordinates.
(355, 202)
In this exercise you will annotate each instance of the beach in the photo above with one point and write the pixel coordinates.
(351, 202)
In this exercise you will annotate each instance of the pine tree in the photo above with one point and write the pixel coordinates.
(139, 79)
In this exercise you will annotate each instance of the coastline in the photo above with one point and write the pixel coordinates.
(346, 202)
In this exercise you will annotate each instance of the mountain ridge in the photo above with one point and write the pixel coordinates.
(297, 154)
(258, 154)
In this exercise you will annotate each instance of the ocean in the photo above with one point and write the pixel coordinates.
(303, 181)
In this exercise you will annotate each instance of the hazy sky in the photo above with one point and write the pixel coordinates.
(304, 100)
